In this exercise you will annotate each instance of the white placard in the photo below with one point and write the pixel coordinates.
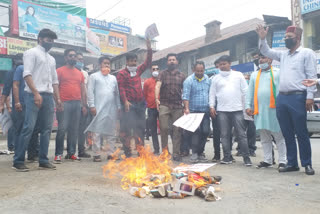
(152, 31)
(189, 122)
(199, 167)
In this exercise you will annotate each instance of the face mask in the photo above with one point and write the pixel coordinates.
(172, 67)
(256, 62)
(47, 45)
(132, 70)
(79, 65)
(155, 74)
(71, 62)
(264, 66)
(290, 43)
(105, 71)
(225, 73)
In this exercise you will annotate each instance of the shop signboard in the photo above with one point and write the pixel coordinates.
(3, 45)
(16, 46)
(109, 26)
(308, 6)
(111, 43)
(71, 29)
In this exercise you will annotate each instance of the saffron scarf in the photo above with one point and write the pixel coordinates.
(272, 92)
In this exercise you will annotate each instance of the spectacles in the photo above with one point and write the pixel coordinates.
(155, 69)
(72, 55)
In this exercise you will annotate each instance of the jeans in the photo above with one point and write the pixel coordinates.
(83, 124)
(199, 137)
(292, 117)
(68, 121)
(186, 142)
(45, 116)
(132, 124)
(165, 115)
(227, 120)
(216, 137)
(153, 116)
(11, 138)
(98, 142)
(18, 120)
(251, 136)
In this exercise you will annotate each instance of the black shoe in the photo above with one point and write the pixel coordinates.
(263, 164)
(185, 154)
(238, 154)
(177, 158)
(281, 165)
(226, 161)
(253, 154)
(157, 153)
(97, 158)
(20, 167)
(33, 159)
(215, 159)
(309, 170)
(84, 155)
(289, 169)
(47, 166)
(247, 161)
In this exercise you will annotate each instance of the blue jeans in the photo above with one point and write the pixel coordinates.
(11, 138)
(68, 121)
(18, 120)
(33, 113)
(292, 117)
(153, 116)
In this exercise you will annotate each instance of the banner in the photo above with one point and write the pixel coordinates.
(94, 23)
(16, 46)
(69, 28)
(308, 6)
(3, 45)
(111, 43)
(92, 43)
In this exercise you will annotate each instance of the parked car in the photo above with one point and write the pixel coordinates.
(313, 118)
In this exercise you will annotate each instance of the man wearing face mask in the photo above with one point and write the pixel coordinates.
(294, 98)
(261, 103)
(153, 114)
(73, 94)
(169, 104)
(228, 88)
(41, 88)
(132, 99)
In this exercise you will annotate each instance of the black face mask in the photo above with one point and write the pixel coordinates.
(72, 62)
(47, 45)
(256, 62)
(290, 43)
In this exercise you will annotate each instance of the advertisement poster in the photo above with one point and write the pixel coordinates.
(16, 46)
(71, 29)
(92, 43)
(3, 45)
(111, 43)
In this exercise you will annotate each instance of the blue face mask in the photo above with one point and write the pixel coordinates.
(79, 65)
(264, 66)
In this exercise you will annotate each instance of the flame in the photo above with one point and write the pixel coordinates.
(144, 170)
(200, 179)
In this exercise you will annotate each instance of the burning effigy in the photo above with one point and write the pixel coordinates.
(155, 176)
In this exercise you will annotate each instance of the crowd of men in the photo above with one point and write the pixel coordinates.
(273, 101)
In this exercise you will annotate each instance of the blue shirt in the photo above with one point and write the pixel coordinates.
(18, 77)
(294, 68)
(8, 83)
(197, 93)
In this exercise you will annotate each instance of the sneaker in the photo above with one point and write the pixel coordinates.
(97, 158)
(11, 151)
(247, 161)
(177, 158)
(33, 159)
(185, 154)
(20, 167)
(253, 154)
(194, 158)
(215, 159)
(202, 158)
(238, 154)
(263, 164)
(84, 155)
(71, 157)
(281, 165)
(226, 161)
(57, 159)
(232, 159)
(47, 166)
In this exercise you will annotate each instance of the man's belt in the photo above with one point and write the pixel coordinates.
(292, 92)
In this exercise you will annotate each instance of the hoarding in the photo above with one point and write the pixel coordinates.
(71, 29)
(92, 42)
(16, 46)
(3, 45)
(308, 6)
(109, 26)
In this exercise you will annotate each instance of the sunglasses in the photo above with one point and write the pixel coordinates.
(155, 69)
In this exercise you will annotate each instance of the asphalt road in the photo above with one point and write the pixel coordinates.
(79, 187)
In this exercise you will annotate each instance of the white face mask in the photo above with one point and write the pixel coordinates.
(225, 73)
(155, 74)
(132, 70)
(264, 66)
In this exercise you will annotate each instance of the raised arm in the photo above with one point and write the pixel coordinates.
(263, 45)
(147, 63)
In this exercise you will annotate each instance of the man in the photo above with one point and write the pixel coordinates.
(131, 94)
(228, 89)
(153, 114)
(73, 95)
(104, 104)
(294, 98)
(196, 100)
(84, 118)
(18, 114)
(41, 83)
(261, 102)
(169, 104)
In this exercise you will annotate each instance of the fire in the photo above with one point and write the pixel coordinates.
(200, 179)
(144, 170)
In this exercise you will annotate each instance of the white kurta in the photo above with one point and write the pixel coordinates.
(103, 94)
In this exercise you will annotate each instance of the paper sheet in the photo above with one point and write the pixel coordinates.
(189, 122)
(152, 31)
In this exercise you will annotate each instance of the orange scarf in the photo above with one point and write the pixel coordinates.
(272, 92)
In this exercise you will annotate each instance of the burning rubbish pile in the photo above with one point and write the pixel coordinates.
(153, 175)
